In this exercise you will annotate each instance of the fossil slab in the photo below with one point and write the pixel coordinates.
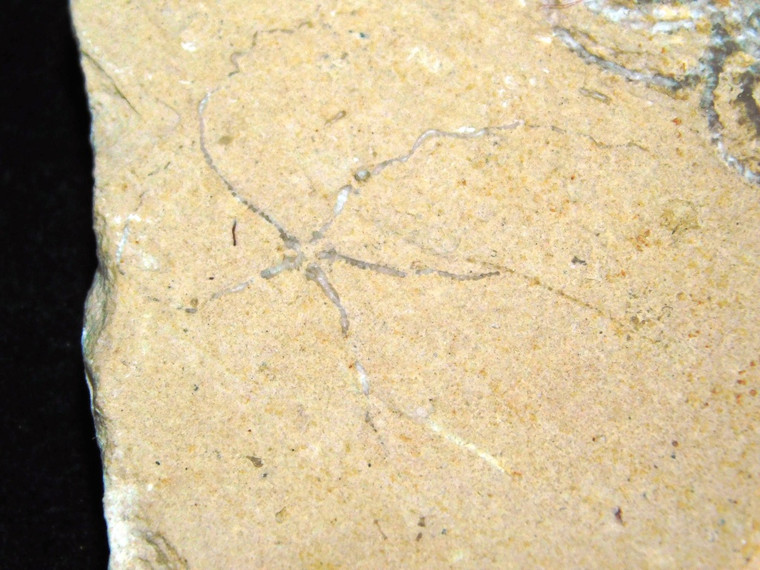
(412, 284)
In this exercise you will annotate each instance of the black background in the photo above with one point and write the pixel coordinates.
(50, 474)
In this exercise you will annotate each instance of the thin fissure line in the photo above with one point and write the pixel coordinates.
(458, 440)
(602, 312)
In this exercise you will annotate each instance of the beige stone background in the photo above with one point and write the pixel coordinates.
(551, 298)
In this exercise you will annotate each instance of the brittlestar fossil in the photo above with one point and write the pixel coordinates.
(306, 254)
(676, 45)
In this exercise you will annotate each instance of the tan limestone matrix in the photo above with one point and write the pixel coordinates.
(412, 284)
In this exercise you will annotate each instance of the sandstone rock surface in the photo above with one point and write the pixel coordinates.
(411, 284)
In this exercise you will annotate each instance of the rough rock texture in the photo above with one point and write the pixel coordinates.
(413, 284)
